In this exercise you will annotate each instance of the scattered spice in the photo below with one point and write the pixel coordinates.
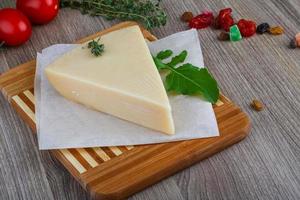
(225, 19)
(293, 43)
(247, 27)
(235, 34)
(187, 16)
(297, 37)
(216, 23)
(224, 36)
(276, 30)
(257, 105)
(262, 28)
(237, 30)
(201, 21)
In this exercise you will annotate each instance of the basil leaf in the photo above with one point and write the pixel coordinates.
(159, 64)
(189, 80)
(178, 59)
(164, 54)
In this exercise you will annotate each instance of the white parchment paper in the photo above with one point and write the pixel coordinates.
(64, 124)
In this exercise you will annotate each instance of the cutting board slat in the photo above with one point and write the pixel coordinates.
(118, 172)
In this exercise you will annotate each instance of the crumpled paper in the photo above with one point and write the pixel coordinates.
(65, 124)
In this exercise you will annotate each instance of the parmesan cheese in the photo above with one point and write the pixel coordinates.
(123, 82)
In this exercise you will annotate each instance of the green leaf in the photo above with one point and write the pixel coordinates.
(164, 54)
(189, 80)
(178, 59)
(159, 64)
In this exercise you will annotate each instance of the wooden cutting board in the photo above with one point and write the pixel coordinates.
(118, 172)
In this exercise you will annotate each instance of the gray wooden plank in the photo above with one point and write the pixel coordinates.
(261, 67)
(264, 166)
(166, 190)
(62, 184)
(21, 171)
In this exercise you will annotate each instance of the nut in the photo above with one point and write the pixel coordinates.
(186, 16)
(257, 105)
(224, 36)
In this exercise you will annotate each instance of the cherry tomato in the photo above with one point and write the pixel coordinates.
(15, 28)
(39, 11)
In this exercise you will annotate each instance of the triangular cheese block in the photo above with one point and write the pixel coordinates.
(123, 81)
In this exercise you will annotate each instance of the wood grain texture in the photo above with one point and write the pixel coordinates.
(102, 171)
(264, 166)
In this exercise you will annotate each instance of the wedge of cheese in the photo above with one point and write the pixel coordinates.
(123, 82)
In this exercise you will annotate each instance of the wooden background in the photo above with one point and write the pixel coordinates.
(266, 165)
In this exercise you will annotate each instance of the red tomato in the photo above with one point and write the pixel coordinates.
(15, 28)
(39, 11)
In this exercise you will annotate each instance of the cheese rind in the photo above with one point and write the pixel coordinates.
(123, 82)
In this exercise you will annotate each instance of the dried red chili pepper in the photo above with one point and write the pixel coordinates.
(225, 20)
(247, 27)
(202, 21)
(224, 12)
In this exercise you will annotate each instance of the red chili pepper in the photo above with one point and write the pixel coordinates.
(247, 27)
(225, 20)
(202, 21)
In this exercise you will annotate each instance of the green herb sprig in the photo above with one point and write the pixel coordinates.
(96, 48)
(187, 79)
(144, 11)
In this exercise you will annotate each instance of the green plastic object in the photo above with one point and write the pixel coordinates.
(235, 34)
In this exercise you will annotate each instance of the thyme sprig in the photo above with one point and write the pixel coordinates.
(96, 48)
(146, 12)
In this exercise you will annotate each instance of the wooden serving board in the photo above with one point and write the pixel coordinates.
(118, 172)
